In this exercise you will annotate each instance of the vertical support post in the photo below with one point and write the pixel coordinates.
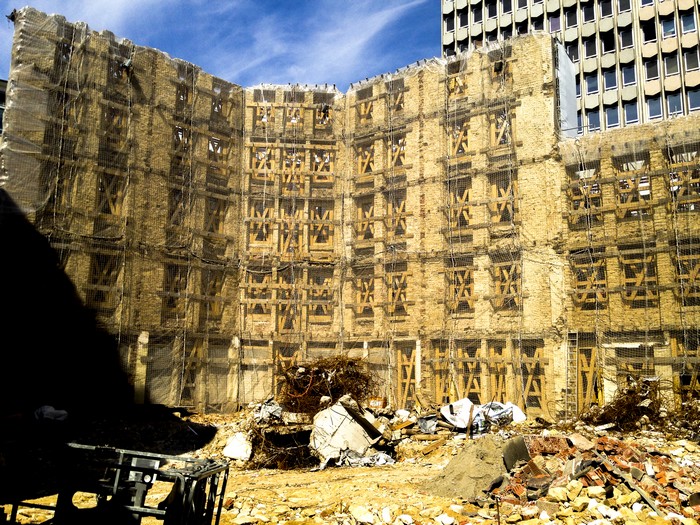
(234, 369)
(177, 371)
(418, 371)
(140, 368)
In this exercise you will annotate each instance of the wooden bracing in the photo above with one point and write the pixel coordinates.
(459, 211)
(212, 292)
(640, 279)
(364, 225)
(396, 276)
(460, 283)
(398, 150)
(285, 356)
(183, 98)
(174, 291)
(215, 214)
(289, 295)
(633, 363)
(532, 371)
(293, 167)
(181, 139)
(501, 129)
(217, 150)
(258, 290)
(460, 138)
(364, 111)
(440, 367)
(110, 193)
(457, 85)
(633, 197)
(365, 158)
(588, 377)
(497, 367)
(502, 204)
(261, 162)
(684, 186)
(321, 295)
(294, 119)
(114, 127)
(321, 227)
(590, 282)
(324, 117)
(260, 220)
(264, 117)
(322, 166)
(291, 223)
(395, 220)
(101, 292)
(364, 295)
(507, 284)
(406, 360)
(396, 101)
(685, 349)
(686, 260)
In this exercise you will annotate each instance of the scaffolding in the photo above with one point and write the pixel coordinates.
(432, 221)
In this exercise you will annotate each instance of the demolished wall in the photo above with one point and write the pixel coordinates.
(426, 221)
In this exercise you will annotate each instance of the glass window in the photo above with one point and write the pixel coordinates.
(491, 9)
(612, 117)
(449, 24)
(671, 64)
(592, 84)
(506, 33)
(538, 23)
(522, 3)
(623, 5)
(588, 12)
(605, 7)
(477, 14)
(579, 123)
(589, 46)
(610, 79)
(572, 18)
(631, 112)
(578, 87)
(646, 2)
(668, 27)
(464, 19)
(693, 99)
(690, 57)
(654, 107)
(649, 31)
(607, 42)
(651, 68)
(537, 1)
(593, 120)
(572, 51)
(554, 24)
(628, 75)
(688, 22)
(626, 38)
(674, 103)
(507, 6)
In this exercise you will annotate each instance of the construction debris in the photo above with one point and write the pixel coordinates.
(326, 379)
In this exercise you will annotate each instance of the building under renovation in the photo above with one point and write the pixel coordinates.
(437, 222)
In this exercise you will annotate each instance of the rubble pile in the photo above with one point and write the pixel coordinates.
(310, 387)
(632, 407)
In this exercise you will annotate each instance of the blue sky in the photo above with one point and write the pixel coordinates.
(249, 42)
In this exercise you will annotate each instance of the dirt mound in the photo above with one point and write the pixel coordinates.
(472, 470)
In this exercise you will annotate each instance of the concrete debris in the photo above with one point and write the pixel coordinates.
(336, 430)
(239, 447)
